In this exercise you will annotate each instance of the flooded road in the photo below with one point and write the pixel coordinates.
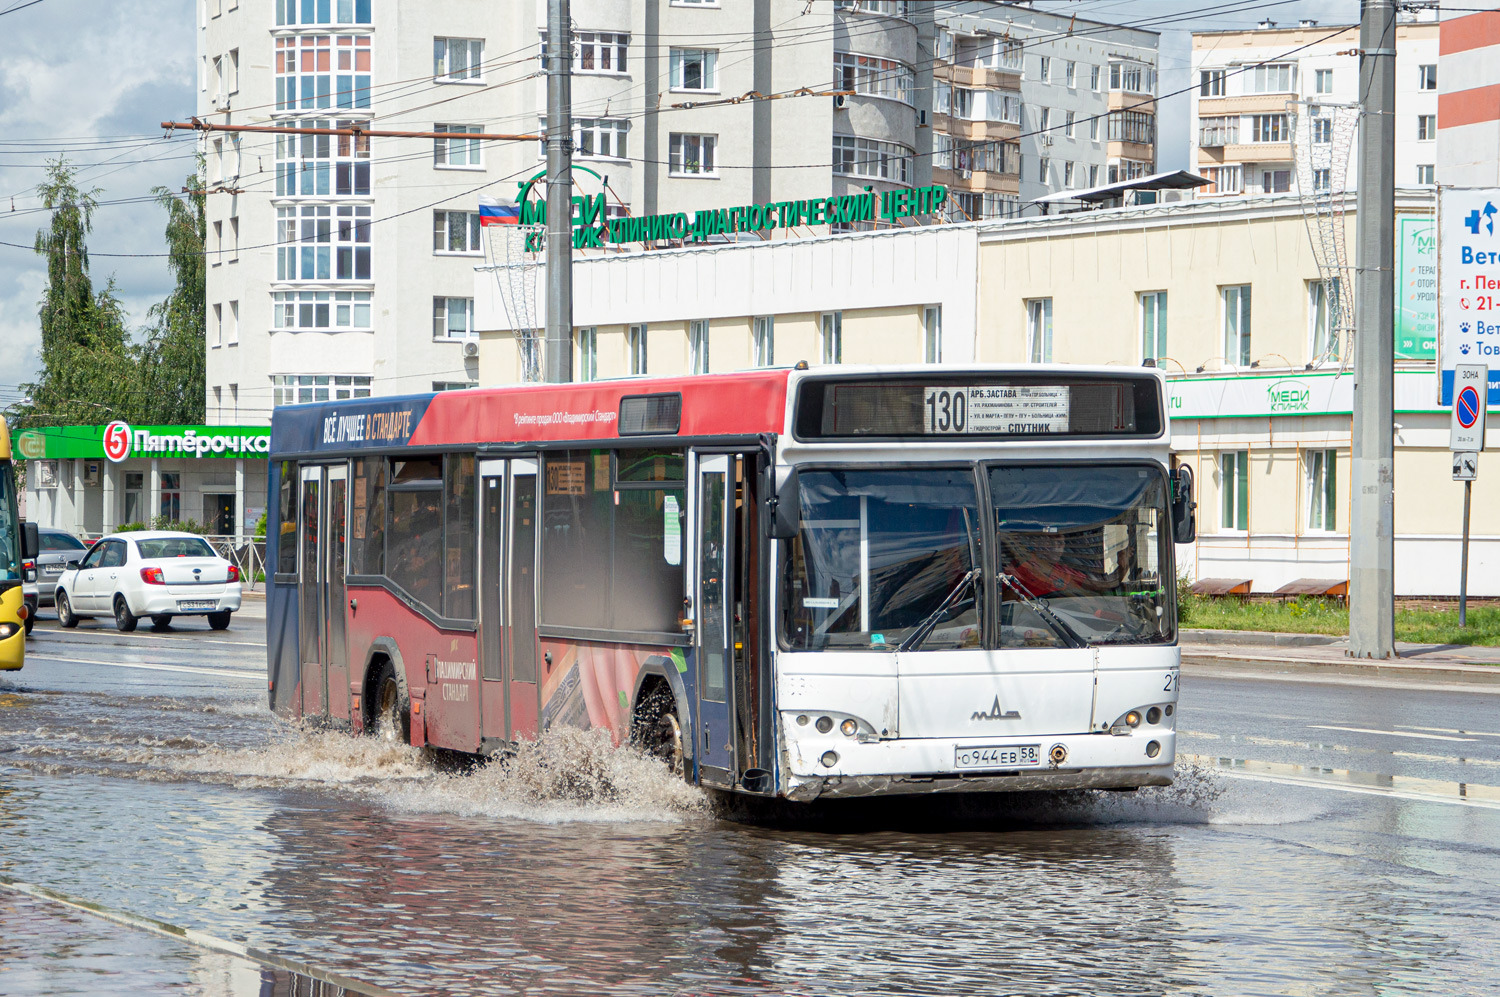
(1325, 839)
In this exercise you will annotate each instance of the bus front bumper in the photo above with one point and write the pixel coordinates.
(929, 765)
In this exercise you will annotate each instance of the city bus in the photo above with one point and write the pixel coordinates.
(18, 543)
(805, 583)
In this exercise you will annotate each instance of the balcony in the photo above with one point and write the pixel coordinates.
(1254, 103)
(977, 77)
(978, 181)
(947, 124)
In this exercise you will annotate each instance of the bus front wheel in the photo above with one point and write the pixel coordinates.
(657, 731)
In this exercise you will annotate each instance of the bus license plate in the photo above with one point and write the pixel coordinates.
(996, 756)
(197, 604)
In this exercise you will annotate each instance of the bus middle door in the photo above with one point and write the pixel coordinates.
(713, 607)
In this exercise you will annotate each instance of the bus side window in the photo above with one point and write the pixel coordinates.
(286, 533)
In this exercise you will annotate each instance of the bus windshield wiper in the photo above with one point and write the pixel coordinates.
(1053, 621)
(928, 625)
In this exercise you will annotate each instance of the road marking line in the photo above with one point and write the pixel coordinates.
(152, 636)
(1346, 781)
(1364, 790)
(1445, 730)
(1391, 733)
(226, 672)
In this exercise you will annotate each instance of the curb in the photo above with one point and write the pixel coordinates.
(1257, 638)
(1247, 661)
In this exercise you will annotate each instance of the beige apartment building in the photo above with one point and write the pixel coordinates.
(1225, 295)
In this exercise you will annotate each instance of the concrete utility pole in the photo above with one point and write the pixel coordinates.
(1372, 598)
(557, 356)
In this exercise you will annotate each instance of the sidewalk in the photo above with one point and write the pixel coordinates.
(1259, 650)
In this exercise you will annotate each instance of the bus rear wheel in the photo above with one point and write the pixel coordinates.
(390, 716)
(657, 731)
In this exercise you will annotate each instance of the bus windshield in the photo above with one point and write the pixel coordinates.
(879, 553)
(1080, 555)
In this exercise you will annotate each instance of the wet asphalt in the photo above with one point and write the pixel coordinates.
(1322, 839)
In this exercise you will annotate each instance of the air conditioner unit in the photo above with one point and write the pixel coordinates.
(964, 174)
(839, 101)
(91, 472)
(1046, 140)
(221, 102)
(471, 348)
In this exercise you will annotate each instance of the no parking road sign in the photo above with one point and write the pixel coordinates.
(1466, 431)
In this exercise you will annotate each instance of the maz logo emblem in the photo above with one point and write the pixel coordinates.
(995, 713)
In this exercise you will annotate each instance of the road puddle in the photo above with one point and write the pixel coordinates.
(1347, 780)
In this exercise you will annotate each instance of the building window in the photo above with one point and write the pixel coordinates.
(698, 347)
(593, 138)
(454, 385)
(873, 77)
(1322, 489)
(294, 389)
(218, 325)
(1154, 325)
(1427, 77)
(455, 59)
(1068, 124)
(1043, 169)
(323, 242)
(1132, 77)
(323, 165)
(1426, 173)
(455, 232)
(1070, 74)
(1068, 175)
(292, 13)
(1322, 316)
(1322, 81)
(456, 152)
(765, 341)
(1094, 78)
(1039, 330)
(1093, 176)
(453, 318)
(233, 68)
(598, 52)
(1236, 323)
(322, 71)
(1234, 490)
(635, 337)
(833, 337)
(895, 8)
(171, 496)
(1224, 179)
(692, 155)
(1094, 128)
(588, 354)
(1276, 181)
(1132, 126)
(218, 243)
(1211, 83)
(1322, 130)
(1268, 128)
(1044, 119)
(932, 332)
(1426, 127)
(135, 495)
(1278, 77)
(314, 311)
(234, 240)
(1126, 169)
(1220, 131)
(694, 69)
(863, 157)
(1322, 180)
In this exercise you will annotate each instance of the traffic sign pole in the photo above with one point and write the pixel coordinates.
(1463, 571)
(1471, 390)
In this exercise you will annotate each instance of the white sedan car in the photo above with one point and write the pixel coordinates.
(149, 573)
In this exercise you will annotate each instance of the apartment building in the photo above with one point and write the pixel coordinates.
(1028, 102)
(1468, 114)
(1274, 110)
(343, 266)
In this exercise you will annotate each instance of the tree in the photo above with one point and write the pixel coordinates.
(172, 358)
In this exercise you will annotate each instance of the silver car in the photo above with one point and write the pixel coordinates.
(57, 547)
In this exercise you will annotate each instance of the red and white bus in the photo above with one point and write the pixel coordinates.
(813, 583)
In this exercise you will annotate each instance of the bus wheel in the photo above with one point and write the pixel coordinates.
(657, 731)
(390, 715)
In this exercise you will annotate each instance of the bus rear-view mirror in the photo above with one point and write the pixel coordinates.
(783, 517)
(31, 541)
(1184, 507)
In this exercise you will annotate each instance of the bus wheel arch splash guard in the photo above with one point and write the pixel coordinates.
(383, 651)
(658, 672)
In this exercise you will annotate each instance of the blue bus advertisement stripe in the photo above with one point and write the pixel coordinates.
(351, 424)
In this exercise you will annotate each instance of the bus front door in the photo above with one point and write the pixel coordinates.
(714, 571)
(522, 693)
(494, 710)
(321, 594)
(313, 677)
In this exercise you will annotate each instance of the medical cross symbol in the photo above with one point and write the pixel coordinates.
(1473, 219)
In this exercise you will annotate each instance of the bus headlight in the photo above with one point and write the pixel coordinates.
(8, 630)
(1153, 749)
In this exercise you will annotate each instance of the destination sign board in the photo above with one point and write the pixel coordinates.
(1028, 409)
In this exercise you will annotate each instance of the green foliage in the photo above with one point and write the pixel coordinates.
(1312, 615)
(92, 371)
(165, 523)
(260, 527)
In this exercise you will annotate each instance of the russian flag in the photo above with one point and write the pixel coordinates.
(493, 211)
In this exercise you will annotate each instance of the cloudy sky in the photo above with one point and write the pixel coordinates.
(93, 79)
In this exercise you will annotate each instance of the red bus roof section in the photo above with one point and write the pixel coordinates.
(743, 404)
